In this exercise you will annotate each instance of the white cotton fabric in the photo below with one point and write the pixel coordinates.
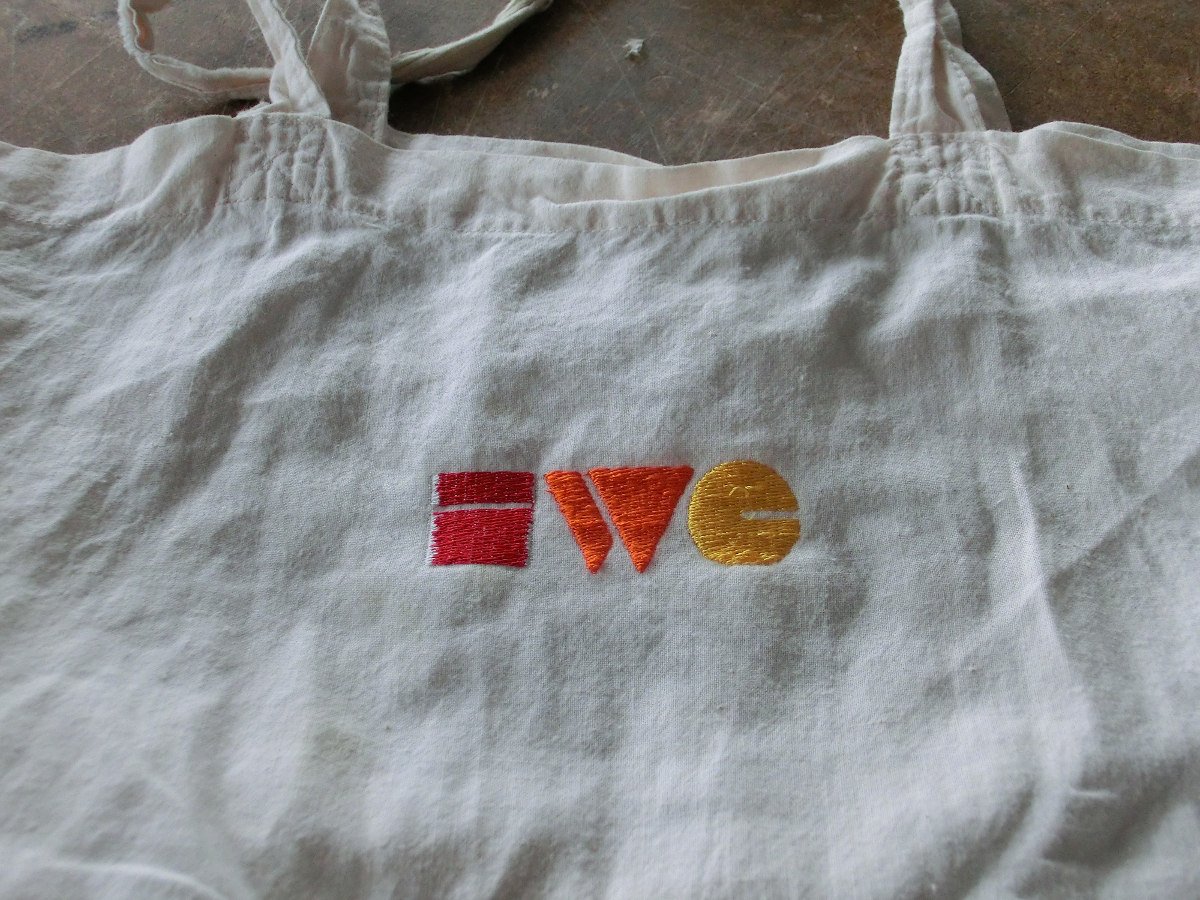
(234, 355)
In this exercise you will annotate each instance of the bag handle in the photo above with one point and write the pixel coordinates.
(940, 87)
(348, 71)
(464, 54)
(288, 86)
(349, 55)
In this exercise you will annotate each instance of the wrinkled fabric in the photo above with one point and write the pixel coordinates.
(235, 354)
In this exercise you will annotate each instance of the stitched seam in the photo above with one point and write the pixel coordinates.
(373, 218)
(296, 125)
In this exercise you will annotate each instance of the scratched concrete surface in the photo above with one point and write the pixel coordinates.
(715, 78)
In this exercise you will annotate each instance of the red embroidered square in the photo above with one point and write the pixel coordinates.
(482, 536)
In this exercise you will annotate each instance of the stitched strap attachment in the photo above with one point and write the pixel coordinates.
(940, 87)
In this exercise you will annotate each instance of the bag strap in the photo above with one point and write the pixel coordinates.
(940, 87)
(288, 86)
(347, 73)
(350, 57)
(464, 54)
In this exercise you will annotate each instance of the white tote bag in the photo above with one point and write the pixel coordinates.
(393, 516)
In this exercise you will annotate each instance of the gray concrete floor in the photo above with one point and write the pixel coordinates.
(716, 78)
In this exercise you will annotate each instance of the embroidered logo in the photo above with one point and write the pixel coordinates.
(740, 513)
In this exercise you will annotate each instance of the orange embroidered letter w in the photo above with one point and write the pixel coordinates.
(640, 501)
